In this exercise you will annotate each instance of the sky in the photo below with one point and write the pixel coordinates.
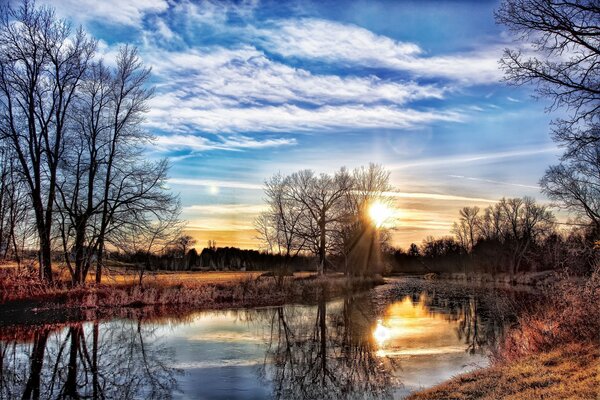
(247, 89)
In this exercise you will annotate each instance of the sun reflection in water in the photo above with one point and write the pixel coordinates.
(411, 328)
(381, 333)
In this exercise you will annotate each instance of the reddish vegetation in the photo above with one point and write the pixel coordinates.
(192, 289)
(568, 314)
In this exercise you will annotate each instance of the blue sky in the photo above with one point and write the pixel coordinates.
(246, 89)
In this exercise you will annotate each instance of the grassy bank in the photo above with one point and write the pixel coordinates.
(22, 289)
(553, 351)
(570, 372)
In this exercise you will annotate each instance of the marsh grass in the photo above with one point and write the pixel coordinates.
(194, 289)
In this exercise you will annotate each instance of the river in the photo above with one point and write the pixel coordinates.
(386, 343)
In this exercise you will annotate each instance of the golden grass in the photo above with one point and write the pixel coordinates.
(570, 372)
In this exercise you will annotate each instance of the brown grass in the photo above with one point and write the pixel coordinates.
(571, 372)
(190, 289)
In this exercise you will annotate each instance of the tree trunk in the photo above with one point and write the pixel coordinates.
(100, 260)
(32, 388)
(322, 243)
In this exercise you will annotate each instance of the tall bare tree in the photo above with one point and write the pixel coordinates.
(105, 183)
(42, 63)
(322, 196)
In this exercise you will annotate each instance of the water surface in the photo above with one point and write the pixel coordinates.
(363, 346)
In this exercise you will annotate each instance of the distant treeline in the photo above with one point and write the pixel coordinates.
(515, 235)
(214, 259)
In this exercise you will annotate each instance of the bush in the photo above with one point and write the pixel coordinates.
(568, 314)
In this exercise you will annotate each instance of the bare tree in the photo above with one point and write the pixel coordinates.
(467, 227)
(282, 223)
(322, 196)
(41, 68)
(326, 214)
(150, 233)
(575, 184)
(359, 237)
(525, 222)
(565, 67)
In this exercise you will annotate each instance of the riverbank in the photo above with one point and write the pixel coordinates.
(571, 372)
(541, 279)
(21, 291)
(551, 352)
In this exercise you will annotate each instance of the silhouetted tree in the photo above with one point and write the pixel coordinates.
(43, 64)
(565, 66)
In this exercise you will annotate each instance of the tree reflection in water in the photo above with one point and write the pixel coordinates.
(123, 360)
(345, 349)
(326, 354)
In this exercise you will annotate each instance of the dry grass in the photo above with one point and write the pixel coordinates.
(572, 372)
(568, 313)
(189, 289)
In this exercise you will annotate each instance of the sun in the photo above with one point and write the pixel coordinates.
(379, 213)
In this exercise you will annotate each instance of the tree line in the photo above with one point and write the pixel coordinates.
(514, 235)
(75, 180)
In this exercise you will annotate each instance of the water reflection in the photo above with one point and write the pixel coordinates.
(120, 360)
(327, 352)
(353, 348)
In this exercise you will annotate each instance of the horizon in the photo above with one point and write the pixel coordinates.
(244, 91)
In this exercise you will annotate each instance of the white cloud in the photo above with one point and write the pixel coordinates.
(247, 75)
(230, 143)
(164, 31)
(290, 118)
(129, 12)
(343, 43)
(236, 90)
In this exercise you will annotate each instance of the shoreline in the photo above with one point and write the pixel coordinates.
(160, 298)
(572, 372)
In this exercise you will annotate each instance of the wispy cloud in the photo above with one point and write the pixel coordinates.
(215, 183)
(130, 12)
(290, 118)
(437, 196)
(337, 42)
(195, 143)
(238, 90)
(470, 158)
(494, 181)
